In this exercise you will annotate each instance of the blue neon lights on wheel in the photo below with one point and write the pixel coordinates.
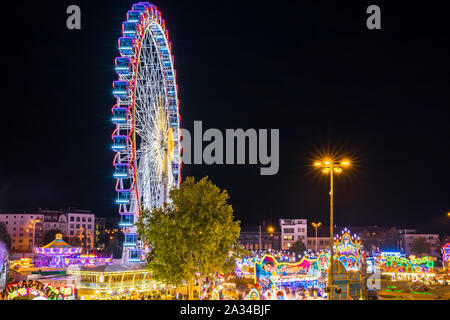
(146, 115)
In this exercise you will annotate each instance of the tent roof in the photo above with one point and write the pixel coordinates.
(58, 243)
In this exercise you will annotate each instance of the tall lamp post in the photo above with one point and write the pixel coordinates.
(33, 223)
(331, 166)
(316, 225)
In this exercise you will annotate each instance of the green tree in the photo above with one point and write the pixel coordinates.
(298, 247)
(4, 235)
(420, 246)
(195, 234)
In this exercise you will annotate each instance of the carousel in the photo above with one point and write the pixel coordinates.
(55, 253)
(59, 254)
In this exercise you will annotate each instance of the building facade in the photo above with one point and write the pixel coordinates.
(54, 220)
(20, 228)
(322, 239)
(81, 225)
(100, 226)
(406, 239)
(71, 223)
(293, 230)
(252, 239)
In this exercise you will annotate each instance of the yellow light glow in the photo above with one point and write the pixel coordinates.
(345, 163)
(318, 164)
(338, 170)
(326, 170)
(270, 229)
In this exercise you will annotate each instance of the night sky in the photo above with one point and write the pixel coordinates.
(309, 68)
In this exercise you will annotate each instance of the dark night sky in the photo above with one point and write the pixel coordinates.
(310, 68)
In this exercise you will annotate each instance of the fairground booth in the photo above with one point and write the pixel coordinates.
(308, 278)
(446, 256)
(400, 268)
(116, 282)
(53, 289)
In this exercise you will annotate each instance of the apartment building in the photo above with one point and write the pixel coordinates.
(20, 227)
(406, 238)
(293, 230)
(322, 240)
(72, 223)
(81, 224)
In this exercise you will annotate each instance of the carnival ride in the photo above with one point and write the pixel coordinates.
(55, 253)
(446, 255)
(274, 278)
(402, 268)
(146, 114)
(59, 254)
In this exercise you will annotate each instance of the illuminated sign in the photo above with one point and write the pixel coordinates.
(348, 250)
(323, 261)
(31, 288)
(270, 273)
(446, 252)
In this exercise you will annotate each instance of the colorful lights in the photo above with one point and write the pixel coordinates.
(145, 50)
(348, 250)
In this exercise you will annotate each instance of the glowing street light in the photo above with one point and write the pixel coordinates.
(32, 225)
(331, 166)
(316, 225)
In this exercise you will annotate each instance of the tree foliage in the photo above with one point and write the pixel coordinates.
(420, 246)
(5, 237)
(298, 247)
(194, 234)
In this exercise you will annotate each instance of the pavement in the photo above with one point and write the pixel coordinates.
(404, 290)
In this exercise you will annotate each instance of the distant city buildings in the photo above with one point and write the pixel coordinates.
(323, 239)
(20, 228)
(293, 230)
(406, 238)
(77, 225)
(100, 226)
(252, 239)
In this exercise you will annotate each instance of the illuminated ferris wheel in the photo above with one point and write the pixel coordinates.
(147, 134)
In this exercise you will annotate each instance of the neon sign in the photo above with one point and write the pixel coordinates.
(31, 288)
(348, 250)
(446, 252)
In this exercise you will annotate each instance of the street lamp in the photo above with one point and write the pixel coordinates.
(316, 225)
(81, 237)
(331, 166)
(33, 223)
